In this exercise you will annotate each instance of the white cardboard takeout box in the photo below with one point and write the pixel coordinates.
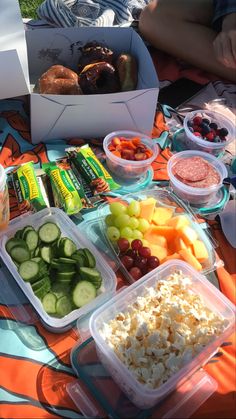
(85, 116)
(14, 75)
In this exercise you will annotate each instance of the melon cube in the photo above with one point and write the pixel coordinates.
(147, 207)
(179, 244)
(158, 251)
(172, 256)
(162, 215)
(200, 250)
(188, 234)
(178, 222)
(190, 258)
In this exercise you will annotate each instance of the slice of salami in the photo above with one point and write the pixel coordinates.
(212, 179)
(192, 169)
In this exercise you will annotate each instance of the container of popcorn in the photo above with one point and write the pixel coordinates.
(157, 332)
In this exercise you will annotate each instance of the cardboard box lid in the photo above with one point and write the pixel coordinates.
(14, 75)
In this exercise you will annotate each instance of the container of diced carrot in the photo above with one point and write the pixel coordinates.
(129, 154)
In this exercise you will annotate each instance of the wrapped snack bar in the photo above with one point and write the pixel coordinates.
(65, 193)
(27, 189)
(91, 169)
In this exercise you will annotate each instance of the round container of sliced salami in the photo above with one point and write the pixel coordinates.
(196, 176)
(208, 131)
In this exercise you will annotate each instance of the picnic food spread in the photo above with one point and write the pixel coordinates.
(98, 73)
(73, 227)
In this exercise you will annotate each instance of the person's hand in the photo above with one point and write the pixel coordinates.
(225, 42)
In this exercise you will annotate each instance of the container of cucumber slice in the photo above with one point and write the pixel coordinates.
(57, 267)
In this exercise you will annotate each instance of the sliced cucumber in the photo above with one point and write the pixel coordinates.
(67, 261)
(89, 273)
(46, 254)
(39, 283)
(32, 239)
(83, 293)
(37, 252)
(29, 270)
(63, 306)
(49, 232)
(60, 289)
(49, 303)
(25, 230)
(66, 248)
(90, 259)
(80, 258)
(20, 254)
(18, 234)
(44, 289)
(14, 242)
(65, 276)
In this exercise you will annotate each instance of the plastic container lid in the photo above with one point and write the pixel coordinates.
(3, 178)
(141, 395)
(97, 395)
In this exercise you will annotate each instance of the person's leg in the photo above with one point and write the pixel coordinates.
(182, 28)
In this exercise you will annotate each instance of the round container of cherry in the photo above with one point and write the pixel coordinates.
(195, 176)
(129, 154)
(208, 131)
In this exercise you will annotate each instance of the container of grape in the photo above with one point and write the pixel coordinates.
(147, 229)
(60, 271)
(208, 131)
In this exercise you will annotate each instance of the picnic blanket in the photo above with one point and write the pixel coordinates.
(35, 363)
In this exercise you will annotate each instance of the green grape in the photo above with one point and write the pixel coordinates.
(110, 220)
(143, 225)
(137, 234)
(134, 209)
(113, 233)
(133, 223)
(117, 208)
(126, 232)
(122, 220)
(145, 243)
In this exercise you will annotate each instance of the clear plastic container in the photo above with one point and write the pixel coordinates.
(125, 170)
(191, 194)
(193, 142)
(165, 198)
(4, 200)
(138, 393)
(70, 230)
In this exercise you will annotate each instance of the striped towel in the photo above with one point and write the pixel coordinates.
(69, 13)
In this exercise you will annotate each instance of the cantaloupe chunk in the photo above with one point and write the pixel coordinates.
(190, 258)
(158, 251)
(178, 222)
(188, 234)
(162, 215)
(147, 207)
(154, 231)
(179, 244)
(172, 256)
(200, 250)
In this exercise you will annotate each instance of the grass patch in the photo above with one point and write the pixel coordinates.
(29, 7)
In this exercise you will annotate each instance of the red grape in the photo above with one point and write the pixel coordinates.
(123, 244)
(131, 253)
(136, 244)
(135, 273)
(127, 261)
(144, 252)
(153, 262)
(140, 262)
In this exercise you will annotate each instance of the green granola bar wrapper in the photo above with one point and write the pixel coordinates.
(27, 189)
(95, 174)
(65, 164)
(65, 194)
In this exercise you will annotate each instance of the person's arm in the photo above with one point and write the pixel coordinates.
(225, 42)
